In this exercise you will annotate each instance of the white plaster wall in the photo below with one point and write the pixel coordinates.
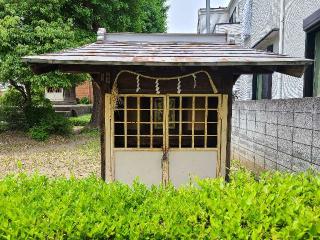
(216, 16)
(239, 4)
(265, 17)
(294, 40)
(221, 15)
(233, 29)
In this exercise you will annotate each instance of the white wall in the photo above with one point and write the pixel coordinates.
(216, 16)
(265, 17)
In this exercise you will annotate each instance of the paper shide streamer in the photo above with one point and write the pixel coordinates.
(138, 84)
(157, 86)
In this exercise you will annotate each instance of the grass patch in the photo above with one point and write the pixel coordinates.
(278, 206)
(82, 120)
(92, 147)
(91, 132)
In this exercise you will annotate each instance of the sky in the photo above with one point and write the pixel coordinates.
(183, 14)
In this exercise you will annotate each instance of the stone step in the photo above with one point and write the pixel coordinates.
(74, 110)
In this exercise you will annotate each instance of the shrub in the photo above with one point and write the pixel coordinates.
(83, 120)
(277, 207)
(37, 114)
(11, 114)
(17, 116)
(39, 133)
(57, 124)
(51, 123)
(12, 117)
(39, 119)
(84, 100)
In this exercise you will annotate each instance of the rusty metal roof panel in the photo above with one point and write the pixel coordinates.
(172, 53)
(165, 50)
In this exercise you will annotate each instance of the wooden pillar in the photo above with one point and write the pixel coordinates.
(229, 131)
(223, 112)
(103, 81)
(225, 82)
(228, 89)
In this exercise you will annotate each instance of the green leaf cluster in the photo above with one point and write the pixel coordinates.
(278, 206)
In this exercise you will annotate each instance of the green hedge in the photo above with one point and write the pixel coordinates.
(276, 207)
(82, 120)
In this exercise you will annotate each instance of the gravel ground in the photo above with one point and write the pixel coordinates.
(77, 155)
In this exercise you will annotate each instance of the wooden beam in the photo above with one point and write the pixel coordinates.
(295, 71)
(239, 70)
(43, 68)
(83, 68)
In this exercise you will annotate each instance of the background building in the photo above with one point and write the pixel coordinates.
(276, 120)
(274, 25)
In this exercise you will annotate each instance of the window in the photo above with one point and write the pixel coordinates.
(174, 121)
(262, 84)
(316, 76)
(195, 124)
(54, 90)
(311, 26)
(139, 122)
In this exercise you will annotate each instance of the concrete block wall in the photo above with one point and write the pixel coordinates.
(277, 134)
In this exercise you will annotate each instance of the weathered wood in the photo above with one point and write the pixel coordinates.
(104, 84)
(224, 134)
(108, 137)
(229, 130)
(225, 86)
(183, 53)
(172, 60)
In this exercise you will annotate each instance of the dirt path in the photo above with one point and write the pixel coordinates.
(78, 155)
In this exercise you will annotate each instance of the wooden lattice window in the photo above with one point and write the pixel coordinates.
(195, 122)
(172, 121)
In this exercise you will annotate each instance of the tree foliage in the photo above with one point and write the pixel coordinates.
(35, 27)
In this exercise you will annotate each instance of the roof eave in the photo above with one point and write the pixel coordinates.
(294, 68)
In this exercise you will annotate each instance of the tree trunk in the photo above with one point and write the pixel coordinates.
(96, 114)
(28, 100)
